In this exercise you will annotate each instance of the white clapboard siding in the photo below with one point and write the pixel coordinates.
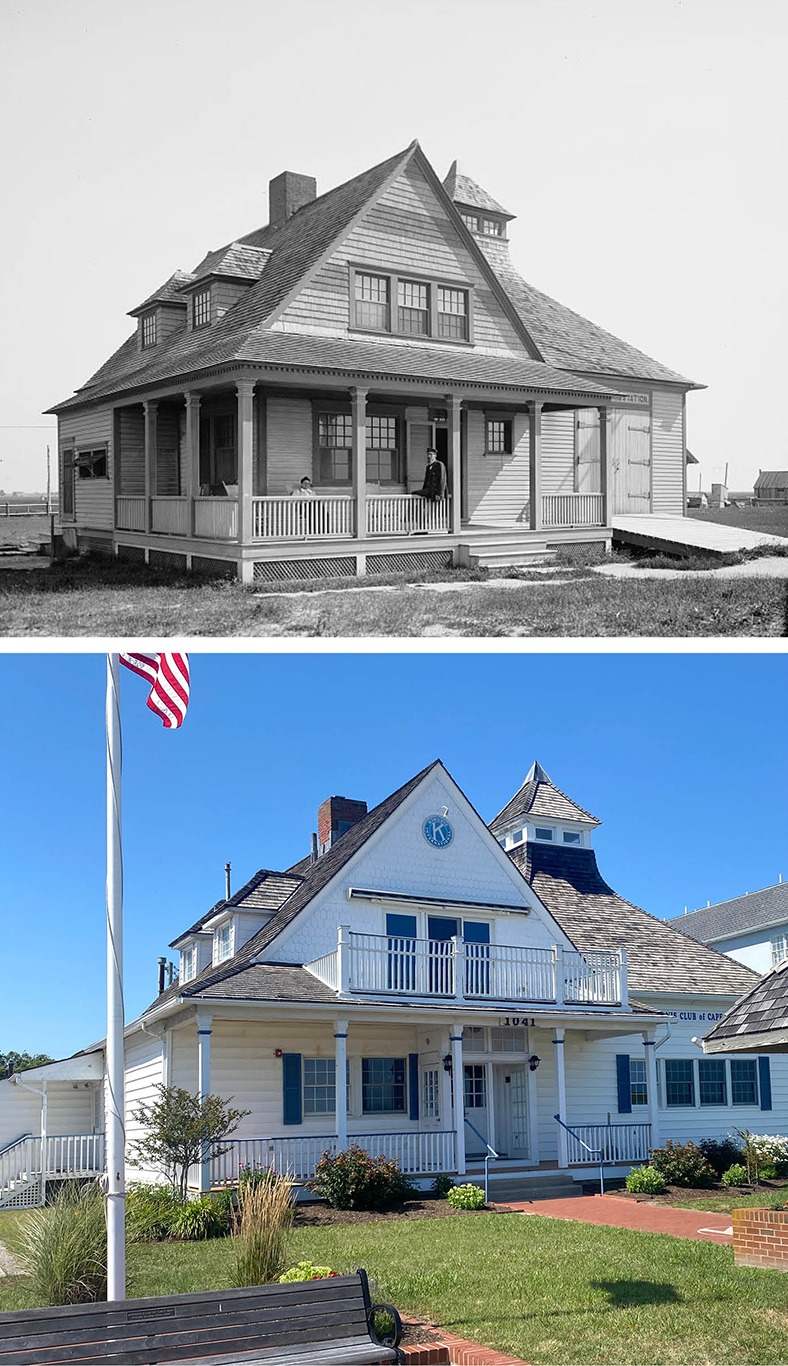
(69, 1110)
(558, 453)
(93, 497)
(288, 443)
(668, 451)
(144, 1071)
(498, 484)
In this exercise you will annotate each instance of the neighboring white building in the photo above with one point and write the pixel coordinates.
(415, 948)
(752, 928)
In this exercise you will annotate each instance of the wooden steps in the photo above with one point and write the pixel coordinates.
(502, 549)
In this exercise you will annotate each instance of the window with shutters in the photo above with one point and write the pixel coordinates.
(637, 1081)
(382, 1086)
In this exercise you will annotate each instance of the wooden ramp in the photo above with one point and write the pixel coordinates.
(682, 535)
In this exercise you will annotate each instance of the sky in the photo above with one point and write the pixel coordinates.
(677, 755)
(641, 144)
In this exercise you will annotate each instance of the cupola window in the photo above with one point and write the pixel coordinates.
(201, 308)
(572, 837)
(542, 832)
(149, 333)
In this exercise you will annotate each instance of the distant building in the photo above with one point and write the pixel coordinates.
(752, 928)
(771, 486)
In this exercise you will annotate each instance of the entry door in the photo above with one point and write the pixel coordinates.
(476, 1108)
(511, 1110)
(587, 471)
(67, 485)
(630, 438)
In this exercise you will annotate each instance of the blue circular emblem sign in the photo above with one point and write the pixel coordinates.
(438, 832)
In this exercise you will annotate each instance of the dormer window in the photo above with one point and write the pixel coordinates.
(542, 832)
(409, 308)
(491, 227)
(189, 963)
(201, 308)
(149, 330)
(223, 942)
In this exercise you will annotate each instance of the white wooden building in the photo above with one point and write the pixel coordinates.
(339, 342)
(430, 988)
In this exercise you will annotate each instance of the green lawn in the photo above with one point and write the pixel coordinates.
(548, 1291)
(722, 1202)
(773, 520)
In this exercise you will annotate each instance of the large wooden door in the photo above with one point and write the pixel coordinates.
(630, 452)
(587, 474)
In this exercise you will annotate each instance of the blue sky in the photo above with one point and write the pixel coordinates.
(680, 756)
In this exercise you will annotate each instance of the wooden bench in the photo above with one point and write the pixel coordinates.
(329, 1322)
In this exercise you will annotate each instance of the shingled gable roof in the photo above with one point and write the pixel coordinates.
(595, 917)
(539, 797)
(266, 890)
(725, 920)
(759, 1021)
(238, 261)
(168, 293)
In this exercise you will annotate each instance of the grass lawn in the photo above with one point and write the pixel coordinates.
(19, 530)
(95, 598)
(549, 1291)
(770, 519)
(722, 1202)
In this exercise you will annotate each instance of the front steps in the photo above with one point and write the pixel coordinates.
(501, 551)
(526, 1184)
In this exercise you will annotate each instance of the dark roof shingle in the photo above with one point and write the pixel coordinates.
(762, 1012)
(539, 797)
(754, 911)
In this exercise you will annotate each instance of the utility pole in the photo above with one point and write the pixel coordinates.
(49, 485)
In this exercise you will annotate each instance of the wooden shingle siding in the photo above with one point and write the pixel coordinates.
(668, 451)
(558, 453)
(225, 295)
(288, 443)
(130, 460)
(498, 484)
(406, 230)
(93, 498)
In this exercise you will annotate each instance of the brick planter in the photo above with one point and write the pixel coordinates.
(760, 1238)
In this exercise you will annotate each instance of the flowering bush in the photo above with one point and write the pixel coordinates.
(735, 1175)
(305, 1271)
(682, 1164)
(764, 1155)
(354, 1180)
(645, 1181)
(466, 1197)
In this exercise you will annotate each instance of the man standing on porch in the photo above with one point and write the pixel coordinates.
(434, 486)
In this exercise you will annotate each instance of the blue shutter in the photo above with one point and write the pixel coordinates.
(291, 1088)
(764, 1077)
(413, 1085)
(623, 1084)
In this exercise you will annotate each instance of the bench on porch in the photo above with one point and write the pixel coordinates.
(329, 1321)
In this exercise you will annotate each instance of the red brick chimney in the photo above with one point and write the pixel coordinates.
(334, 816)
(287, 193)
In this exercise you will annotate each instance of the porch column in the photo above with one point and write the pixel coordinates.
(358, 399)
(204, 1023)
(458, 1091)
(650, 1043)
(535, 465)
(44, 1162)
(190, 474)
(560, 1073)
(151, 410)
(454, 415)
(605, 467)
(340, 1079)
(245, 459)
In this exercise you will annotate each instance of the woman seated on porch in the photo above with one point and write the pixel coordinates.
(213, 491)
(304, 489)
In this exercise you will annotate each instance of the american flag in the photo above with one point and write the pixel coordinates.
(168, 676)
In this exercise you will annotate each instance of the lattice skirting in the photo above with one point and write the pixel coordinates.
(424, 559)
(166, 559)
(277, 571)
(215, 569)
(135, 553)
(29, 1197)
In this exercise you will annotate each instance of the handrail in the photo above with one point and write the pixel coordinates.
(14, 1142)
(595, 1152)
(490, 1153)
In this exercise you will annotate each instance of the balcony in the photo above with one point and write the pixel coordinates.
(452, 970)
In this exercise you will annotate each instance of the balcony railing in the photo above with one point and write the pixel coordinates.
(216, 518)
(452, 969)
(417, 1153)
(615, 1142)
(403, 514)
(301, 519)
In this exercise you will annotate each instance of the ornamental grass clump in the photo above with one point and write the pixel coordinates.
(261, 1226)
(64, 1248)
(354, 1180)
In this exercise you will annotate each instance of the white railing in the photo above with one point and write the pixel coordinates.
(216, 518)
(300, 519)
(416, 1153)
(592, 978)
(129, 512)
(19, 1161)
(170, 515)
(509, 974)
(299, 1155)
(615, 1142)
(420, 967)
(405, 514)
(73, 1155)
(573, 509)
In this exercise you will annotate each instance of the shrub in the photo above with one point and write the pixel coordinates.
(208, 1217)
(261, 1225)
(466, 1197)
(442, 1185)
(64, 1248)
(305, 1271)
(682, 1164)
(721, 1153)
(154, 1213)
(645, 1181)
(735, 1175)
(354, 1180)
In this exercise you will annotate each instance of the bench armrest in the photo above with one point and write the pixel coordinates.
(392, 1337)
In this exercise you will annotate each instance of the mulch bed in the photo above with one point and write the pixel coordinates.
(678, 1195)
(312, 1216)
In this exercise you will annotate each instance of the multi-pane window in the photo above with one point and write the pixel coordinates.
(499, 436)
(452, 313)
(382, 450)
(779, 949)
(319, 1086)
(413, 307)
(188, 963)
(744, 1081)
(223, 942)
(473, 1039)
(712, 1085)
(334, 448)
(149, 329)
(92, 464)
(637, 1081)
(430, 1093)
(679, 1081)
(492, 227)
(382, 1086)
(471, 221)
(201, 308)
(507, 1040)
(372, 301)
(475, 1086)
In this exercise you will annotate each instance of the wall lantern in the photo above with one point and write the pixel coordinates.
(533, 1062)
(446, 1060)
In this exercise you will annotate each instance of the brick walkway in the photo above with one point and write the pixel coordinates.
(617, 1212)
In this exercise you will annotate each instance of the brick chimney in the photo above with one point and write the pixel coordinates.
(334, 816)
(287, 193)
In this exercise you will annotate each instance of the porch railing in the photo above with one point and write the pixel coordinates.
(417, 1153)
(216, 518)
(129, 512)
(294, 519)
(398, 514)
(53, 1158)
(170, 515)
(592, 978)
(615, 1142)
(573, 509)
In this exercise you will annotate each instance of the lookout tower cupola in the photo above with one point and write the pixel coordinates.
(540, 812)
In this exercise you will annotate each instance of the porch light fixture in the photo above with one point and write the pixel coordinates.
(446, 1060)
(533, 1062)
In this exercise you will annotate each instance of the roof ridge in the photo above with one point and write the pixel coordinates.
(685, 915)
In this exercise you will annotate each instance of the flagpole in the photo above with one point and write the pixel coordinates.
(115, 1127)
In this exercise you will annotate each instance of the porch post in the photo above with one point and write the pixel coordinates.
(204, 1023)
(358, 399)
(151, 410)
(605, 467)
(560, 1072)
(650, 1044)
(340, 1054)
(458, 1090)
(454, 414)
(44, 1154)
(245, 390)
(190, 474)
(535, 465)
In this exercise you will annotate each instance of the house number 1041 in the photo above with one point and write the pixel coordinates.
(518, 1022)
